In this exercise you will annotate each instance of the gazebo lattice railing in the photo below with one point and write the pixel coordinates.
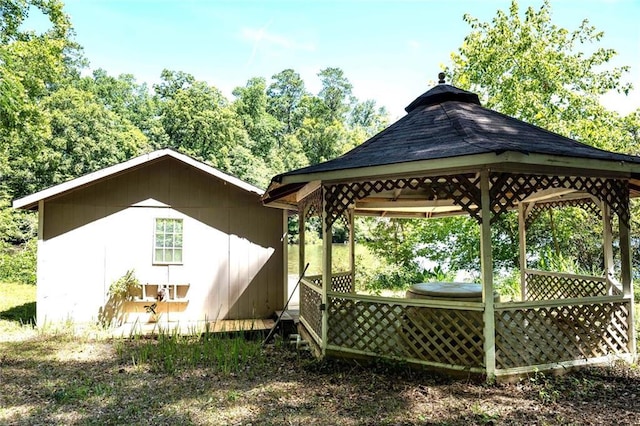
(547, 333)
(564, 319)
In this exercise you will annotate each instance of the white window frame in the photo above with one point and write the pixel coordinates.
(176, 242)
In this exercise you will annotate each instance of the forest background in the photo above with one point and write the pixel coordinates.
(57, 122)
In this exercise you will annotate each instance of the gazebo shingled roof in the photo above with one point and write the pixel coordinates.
(447, 122)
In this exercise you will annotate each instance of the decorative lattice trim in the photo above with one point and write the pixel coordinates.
(507, 190)
(586, 204)
(312, 204)
(463, 189)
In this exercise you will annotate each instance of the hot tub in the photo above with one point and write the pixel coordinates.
(462, 292)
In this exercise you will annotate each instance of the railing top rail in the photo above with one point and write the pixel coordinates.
(311, 285)
(565, 275)
(560, 302)
(426, 303)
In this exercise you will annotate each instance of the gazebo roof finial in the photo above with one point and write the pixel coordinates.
(441, 78)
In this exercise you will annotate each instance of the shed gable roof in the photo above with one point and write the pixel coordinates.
(31, 201)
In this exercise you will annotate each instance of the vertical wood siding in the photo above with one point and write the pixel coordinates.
(232, 255)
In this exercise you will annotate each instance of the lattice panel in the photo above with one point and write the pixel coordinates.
(546, 287)
(315, 280)
(365, 326)
(415, 333)
(507, 190)
(464, 190)
(310, 301)
(342, 282)
(586, 204)
(444, 335)
(536, 336)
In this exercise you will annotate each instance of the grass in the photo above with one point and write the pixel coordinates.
(58, 377)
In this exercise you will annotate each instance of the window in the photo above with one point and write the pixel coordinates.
(168, 241)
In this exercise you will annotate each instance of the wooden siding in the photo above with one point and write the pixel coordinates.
(232, 256)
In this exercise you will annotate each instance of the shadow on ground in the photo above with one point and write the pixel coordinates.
(23, 314)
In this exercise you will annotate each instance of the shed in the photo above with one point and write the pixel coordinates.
(200, 237)
(450, 156)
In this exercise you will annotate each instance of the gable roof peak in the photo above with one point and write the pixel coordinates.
(443, 93)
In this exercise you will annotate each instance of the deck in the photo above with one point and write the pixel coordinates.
(195, 327)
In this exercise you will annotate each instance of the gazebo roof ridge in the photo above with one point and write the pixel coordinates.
(443, 93)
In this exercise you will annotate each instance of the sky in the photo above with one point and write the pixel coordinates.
(391, 51)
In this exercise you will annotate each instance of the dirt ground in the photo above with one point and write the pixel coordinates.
(58, 379)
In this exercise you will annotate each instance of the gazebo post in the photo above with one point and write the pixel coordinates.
(352, 248)
(302, 214)
(522, 234)
(627, 283)
(607, 245)
(487, 277)
(327, 236)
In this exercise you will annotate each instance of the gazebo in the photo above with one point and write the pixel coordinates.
(449, 156)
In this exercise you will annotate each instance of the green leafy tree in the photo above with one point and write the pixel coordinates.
(251, 108)
(527, 67)
(543, 74)
(284, 97)
(335, 93)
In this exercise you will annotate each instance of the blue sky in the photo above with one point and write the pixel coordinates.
(390, 51)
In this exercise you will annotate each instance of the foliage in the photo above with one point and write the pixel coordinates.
(543, 74)
(125, 285)
(18, 263)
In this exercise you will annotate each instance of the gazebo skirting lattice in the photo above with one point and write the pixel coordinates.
(449, 335)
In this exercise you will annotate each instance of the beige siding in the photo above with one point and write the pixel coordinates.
(232, 258)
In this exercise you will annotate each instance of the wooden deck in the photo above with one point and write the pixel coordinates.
(193, 328)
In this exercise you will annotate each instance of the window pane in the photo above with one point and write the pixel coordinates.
(168, 241)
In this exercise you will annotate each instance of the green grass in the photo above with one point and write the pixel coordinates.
(17, 306)
(51, 377)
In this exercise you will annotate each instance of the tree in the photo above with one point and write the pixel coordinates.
(284, 97)
(251, 108)
(335, 93)
(538, 72)
(367, 117)
(531, 69)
